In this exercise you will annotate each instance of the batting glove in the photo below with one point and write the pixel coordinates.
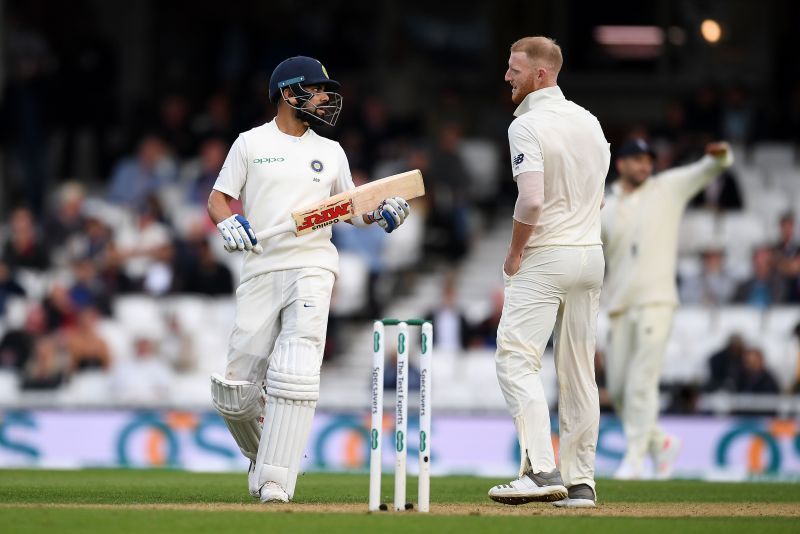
(391, 213)
(237, 233)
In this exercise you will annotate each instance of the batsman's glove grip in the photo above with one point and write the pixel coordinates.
(391, 213)
(238, 234)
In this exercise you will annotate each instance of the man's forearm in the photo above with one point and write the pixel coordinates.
(219, 206)
(520, 236)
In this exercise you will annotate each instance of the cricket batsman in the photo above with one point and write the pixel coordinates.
(641, 220)
(553, 276)
(271, 384)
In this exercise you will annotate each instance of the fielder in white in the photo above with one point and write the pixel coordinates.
(641, 220)
(553, 277)
(271, 384)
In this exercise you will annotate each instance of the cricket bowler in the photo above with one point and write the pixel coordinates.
(553, 276)
(641, 220)
(275, 350)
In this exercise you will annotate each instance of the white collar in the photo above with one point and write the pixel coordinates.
(536, 98)
(293, 138)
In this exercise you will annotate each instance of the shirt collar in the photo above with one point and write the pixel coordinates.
(292, 138)
(537, 98)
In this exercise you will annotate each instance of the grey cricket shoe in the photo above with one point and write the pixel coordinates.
(531, 487)
(580, 496)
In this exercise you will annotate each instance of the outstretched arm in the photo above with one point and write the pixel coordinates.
(688, 180)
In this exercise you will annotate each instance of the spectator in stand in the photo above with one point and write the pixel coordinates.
(738, 116)
(452, 328)
(390, 374)
(44, 370)
(448, 186)
(212, 157)
(136, 178)
(146, 252)
(147, 378)
(96, 243)
(720, 195)
(59, 308)
(24, 249)
(216, 120)
(202, 274)
(787, 252)
(485, 333)
(755, 377)
(88, 288)
(17, 346)
(713, 286)
(703, 114)
(9, 287)
(368, 244)
(85, 347)
(796, 346)
(67, 220)
(766, 287)
(174, 127)
(725, 366)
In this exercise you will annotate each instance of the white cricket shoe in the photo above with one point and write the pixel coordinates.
(531, 487)
(664, 458)
(626, 471)
(580, 496)
(273, 492)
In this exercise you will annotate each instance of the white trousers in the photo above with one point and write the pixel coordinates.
(291, 304)
(639, 338)
(557, 290)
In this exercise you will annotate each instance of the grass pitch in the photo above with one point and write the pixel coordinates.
(171, 501)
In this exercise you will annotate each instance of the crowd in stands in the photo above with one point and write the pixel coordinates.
(72, 244)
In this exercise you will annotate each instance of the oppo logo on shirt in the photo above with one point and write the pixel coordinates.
(269, 160)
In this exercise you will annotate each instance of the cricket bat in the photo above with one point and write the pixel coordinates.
(348, 204)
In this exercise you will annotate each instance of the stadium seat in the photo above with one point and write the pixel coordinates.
(744, 320)
(770, 204)
(782, 320)
(691, 322)
(141, 316)
(350, 290)
(787, 180)
(88, 388)
(741, 232)
(697, 231)
(189, 310)
(35, 283)
(9, 388)
(481, 158)
(781, 358)
(16, 312)
(750, 180)
(119, 340)
(403, 250)
(773, 155)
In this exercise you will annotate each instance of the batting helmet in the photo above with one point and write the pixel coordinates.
(300, 71)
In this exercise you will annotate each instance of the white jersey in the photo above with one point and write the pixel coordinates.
(640, 233)
(558, 137)
(274, 174)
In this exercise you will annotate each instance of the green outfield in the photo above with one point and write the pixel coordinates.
(172, 501)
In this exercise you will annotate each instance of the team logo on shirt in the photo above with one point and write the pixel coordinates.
(518, 159)
(317, 166)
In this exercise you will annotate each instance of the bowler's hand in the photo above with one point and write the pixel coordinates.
(718, 149)
(511, 265)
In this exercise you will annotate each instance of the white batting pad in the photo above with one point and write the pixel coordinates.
(292, 393)
(240, 403)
